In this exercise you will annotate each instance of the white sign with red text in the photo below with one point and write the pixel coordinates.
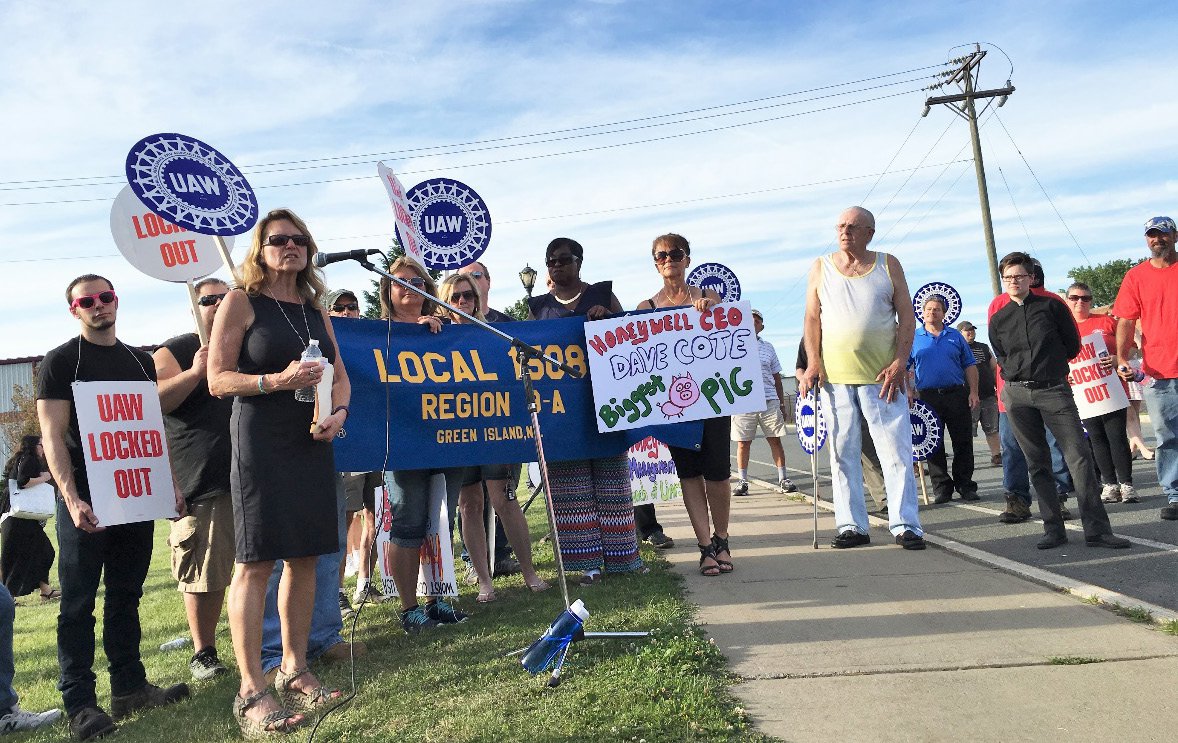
(674, 365)
(1097, 390)
(435, 573)
(653, 478)
(406, 228)
(159, 248)
(126, 451)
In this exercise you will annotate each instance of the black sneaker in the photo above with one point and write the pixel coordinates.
(91, 723)
(346, 611)
(149, 696)
(444, 612)
(742, 488)
(1170, 512)
(970, 495)
(660, 541)
(850, 538)
(415, 620)
(787, 486)
(910, 540)
(206, 665)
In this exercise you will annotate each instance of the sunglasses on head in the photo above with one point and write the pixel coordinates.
(467, 295)
(560, 260)
(675, 254)
(279, 241)
(349, 307)
(208, 300)
(88, 301)
(475, 274)
(1080, 297)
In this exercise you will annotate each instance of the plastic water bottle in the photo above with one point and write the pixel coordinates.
(1138, 375)
(312, 353)
(176, 644)
(537, 657)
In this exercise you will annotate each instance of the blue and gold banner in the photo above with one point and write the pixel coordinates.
(453, 399)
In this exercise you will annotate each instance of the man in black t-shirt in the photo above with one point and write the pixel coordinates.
(198, 440)
(87, 549)
(987, 410)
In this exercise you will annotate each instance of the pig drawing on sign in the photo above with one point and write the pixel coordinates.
(683, 394)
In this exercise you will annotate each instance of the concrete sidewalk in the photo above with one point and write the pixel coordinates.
(877, 643)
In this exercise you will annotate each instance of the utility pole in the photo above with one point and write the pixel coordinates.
(962, 104)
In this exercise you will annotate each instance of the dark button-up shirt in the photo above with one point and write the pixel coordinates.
(1033, 341)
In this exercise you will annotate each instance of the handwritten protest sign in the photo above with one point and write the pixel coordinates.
(405, 228)
(1097, 390)
(435, 574)
(652, 473)
(159, 248)
(674, 365)
(126, 452)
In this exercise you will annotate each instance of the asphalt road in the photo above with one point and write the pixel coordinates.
(1146, 572)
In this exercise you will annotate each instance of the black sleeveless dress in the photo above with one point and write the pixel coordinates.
(547, 307)
(282, 480)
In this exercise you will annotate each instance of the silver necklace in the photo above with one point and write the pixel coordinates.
(282, 309)
(672, 302)
(567, 302)
(78, 366)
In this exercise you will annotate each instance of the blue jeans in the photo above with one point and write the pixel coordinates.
(1015, 478)
(8, 696)
(409, 499)
(1162, 399)
(891, 431)
(326, 622)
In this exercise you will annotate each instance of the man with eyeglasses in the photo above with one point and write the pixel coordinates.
(859, 327)
(1034, 337)
(87, 551)
(198, 440)
(1149, 293)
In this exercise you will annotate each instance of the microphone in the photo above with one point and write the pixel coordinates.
(323, 259)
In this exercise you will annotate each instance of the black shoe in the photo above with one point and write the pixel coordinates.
(506, 566)
(91, 723)
(1170, 512)
(1111, 541)
(943, 498)
(149, 696)
(910, 540)
(971, 495)
(660, 541)
(850, 538)
(206, 665)
(1051, 541)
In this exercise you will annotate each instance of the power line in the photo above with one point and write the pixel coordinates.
(888, 167)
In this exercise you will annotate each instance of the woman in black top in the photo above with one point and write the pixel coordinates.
(26, 554)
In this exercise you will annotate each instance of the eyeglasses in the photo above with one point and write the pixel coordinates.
(349, 307)
(1016, 277)
(1080, 297)
(415, 281)
(475, 274)
(467, 295)
(208, 300)
(279, 241)
(107, 297)
(676, 255)
(560, 260)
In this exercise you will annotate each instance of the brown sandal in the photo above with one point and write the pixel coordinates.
(302, 701)
(707, 552)
(278, 722)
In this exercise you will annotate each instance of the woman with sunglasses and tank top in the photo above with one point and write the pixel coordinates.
(591, 497)
(703, 474)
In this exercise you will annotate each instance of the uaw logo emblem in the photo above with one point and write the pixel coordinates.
(926, 430)
(452, 221)
(190, 184)
(717, 277)
(811, 426)
(935, 288)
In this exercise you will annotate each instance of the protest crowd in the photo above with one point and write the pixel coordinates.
(266, 529)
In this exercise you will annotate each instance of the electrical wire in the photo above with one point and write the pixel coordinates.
(888, 167)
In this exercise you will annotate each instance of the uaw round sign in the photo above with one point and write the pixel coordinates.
(190, 184)
(717, 277)
(926, 430)
(809, 423)
(159, 248)
(452, 222)
(934, 288)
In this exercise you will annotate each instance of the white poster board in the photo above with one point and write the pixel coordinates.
(435, 576)
(674, 365)
(159, 248)
(126, 451)
(405, 226)
(653, 478)
(1097, 390)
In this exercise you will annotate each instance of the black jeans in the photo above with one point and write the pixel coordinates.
(120, 555)
(1110, 446)
(1028, 411)
(952, 407)
(645, 521)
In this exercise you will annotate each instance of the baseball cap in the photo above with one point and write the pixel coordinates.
(966, 325)
(334, 295)
(757, 313)
(1161, 224)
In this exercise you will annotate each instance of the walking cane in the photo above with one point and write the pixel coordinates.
(814, 464)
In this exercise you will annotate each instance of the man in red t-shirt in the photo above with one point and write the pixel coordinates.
(1149, 293)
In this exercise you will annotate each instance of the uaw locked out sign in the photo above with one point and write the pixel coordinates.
(452, 221)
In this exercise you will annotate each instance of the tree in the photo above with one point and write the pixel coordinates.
(372, 298)
(1103, 278)
(22, 420)
(519, 310)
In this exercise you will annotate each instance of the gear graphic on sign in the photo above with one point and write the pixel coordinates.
(191, 184)
(453, 223)
(926, 430)
(952, 298)
(718, 277)
(806, 421)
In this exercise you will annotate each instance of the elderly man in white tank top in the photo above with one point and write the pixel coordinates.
(858, 333)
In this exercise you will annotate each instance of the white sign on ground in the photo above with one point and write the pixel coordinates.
(435, 575)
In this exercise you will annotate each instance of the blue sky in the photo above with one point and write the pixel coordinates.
(1094, 115)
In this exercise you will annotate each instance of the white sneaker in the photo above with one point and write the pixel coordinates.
(351, 566)
(787, 486)
(1129, 494)
(1111, 493)
(18, 719)
(742, 488)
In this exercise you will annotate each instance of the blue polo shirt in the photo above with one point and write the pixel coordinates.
(941, 360)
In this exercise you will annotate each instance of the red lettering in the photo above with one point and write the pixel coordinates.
(138, 228)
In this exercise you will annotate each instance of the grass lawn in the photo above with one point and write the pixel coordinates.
(453, 683)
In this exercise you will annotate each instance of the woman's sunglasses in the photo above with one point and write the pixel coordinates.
(560, 260)
(416, 281)
(467, 295)
(86, 302)
(208, 300)
(675, 254)
(279, 241)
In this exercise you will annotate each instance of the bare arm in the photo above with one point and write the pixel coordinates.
(233, 318)
(971, 381)
(54, 417)
(891, 377)
(176, 384)
(1124, 346)
(812, 333)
